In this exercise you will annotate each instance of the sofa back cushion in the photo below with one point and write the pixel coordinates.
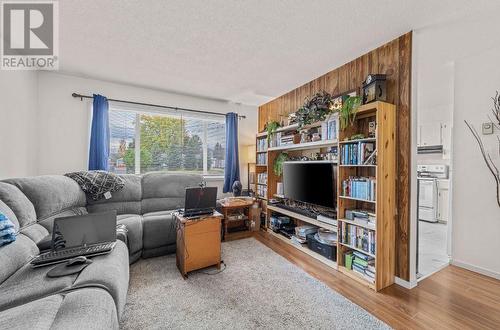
(125, 201)
(166, 191)
(18, 203)
(9, 214)
(50, 194)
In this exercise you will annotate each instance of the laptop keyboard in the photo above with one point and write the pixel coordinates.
(71, 253)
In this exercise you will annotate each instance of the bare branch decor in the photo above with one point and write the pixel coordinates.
(496, 110)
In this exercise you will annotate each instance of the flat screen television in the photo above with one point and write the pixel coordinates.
(310, 182)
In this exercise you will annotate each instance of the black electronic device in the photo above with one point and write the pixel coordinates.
(327, 251)
(200, 201)
(310, 182)
(81, 235)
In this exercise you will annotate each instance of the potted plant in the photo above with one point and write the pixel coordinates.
(278, 163)
(271, 128)
(314, 109)
(347, 114)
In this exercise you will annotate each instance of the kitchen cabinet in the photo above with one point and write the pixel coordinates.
(443, 200)
(430, 134)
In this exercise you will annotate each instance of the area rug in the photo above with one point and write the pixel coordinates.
(258, 289)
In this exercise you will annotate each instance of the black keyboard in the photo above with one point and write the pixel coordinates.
(60, 255)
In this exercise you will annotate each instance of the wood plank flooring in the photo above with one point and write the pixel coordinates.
(453, 298)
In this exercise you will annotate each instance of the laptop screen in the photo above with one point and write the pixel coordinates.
(200, 198)
(82, 230)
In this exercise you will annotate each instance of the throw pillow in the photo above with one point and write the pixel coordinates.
(97, 183)
(7, 230)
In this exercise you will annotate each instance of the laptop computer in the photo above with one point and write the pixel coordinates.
(81, 235)
(200, 201)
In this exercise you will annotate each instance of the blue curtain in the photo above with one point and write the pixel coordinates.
(99, 135)
(232, 168)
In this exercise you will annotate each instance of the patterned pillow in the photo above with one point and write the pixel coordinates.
(97, 183)
(7, 230)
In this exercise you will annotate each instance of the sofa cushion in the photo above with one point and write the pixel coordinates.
(158, 229)
(7, 212)
(50, 194)
(133, 222)
(18, 203)
(80, 309)
(127, 200)
(111, 272)
(166, 191)
(35, 232)
(15, 255)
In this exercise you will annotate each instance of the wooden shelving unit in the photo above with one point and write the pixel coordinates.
(384, 207)
(384, 171)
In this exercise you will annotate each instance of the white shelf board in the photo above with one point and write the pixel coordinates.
(359, 224)
(301, 217)
(358, 199)
(311, 162)
(356, 249)
(307, 145)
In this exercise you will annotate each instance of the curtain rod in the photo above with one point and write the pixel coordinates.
(156, 105)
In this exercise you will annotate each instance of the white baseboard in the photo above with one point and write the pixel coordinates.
(476, 269)
(404, 283)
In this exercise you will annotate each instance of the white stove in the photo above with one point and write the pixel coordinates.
(428, 176)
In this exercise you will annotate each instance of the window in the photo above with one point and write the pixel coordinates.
(144, 141)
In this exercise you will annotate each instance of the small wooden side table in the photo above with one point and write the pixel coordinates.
(198, 242)
(235, 205)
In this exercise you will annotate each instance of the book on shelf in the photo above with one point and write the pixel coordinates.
(262, 144)
(360, 153)
(358, 237)
(262, 178)
(361, 264)
(261, 159)
(330, 128)
(362, 217)
(360, 188)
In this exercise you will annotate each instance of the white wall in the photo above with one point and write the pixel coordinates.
(469, 48)
(64, 120)
(18, 128)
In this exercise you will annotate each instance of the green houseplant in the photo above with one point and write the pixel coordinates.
(314, 109)
(278, 163)
(271, 128)
(347, 114)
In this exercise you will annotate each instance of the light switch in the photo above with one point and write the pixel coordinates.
(487, 128)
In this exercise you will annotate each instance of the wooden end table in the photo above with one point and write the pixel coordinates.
(198, 242)
(231, 206)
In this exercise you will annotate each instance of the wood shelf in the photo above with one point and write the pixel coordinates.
(357, 249)
(261, 165)
(358, 199)
(301, 217)
(346, 165)
(356, 223)
(317, 256)
(311, 161)
(357, 277)
(358, 140)
(307, 145)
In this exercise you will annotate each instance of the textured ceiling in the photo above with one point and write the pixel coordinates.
(240, 51)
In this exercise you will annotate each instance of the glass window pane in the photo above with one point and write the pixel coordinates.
(122, 142)
(216, 144)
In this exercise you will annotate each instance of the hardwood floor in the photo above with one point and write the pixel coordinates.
(453, 298)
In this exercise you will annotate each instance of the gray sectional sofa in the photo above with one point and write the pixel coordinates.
(95, 298)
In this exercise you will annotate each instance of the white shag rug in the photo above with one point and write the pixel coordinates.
(259, 289)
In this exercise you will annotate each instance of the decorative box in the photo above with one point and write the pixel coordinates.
(374, 88)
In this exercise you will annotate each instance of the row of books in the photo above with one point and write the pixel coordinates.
(262, 159)
(363, 217)
(262, 191)
(281, 139)
(359, 187)
(262, 144)
(360, 153)
(362, 264)
(262, 178)
(358, 237)
(330, 128)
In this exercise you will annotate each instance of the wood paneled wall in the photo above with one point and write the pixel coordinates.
(393, 59)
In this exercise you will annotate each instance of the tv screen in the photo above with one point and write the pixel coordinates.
(310, 182)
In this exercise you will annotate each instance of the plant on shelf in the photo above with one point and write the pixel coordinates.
(278, 163)
(271, 128)
(314, 109)
(347, 113)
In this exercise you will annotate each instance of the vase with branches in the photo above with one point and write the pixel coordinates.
(490, 164)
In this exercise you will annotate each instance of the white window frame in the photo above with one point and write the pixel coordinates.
(137, 136)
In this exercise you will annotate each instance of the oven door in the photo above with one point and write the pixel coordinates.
(427, 199)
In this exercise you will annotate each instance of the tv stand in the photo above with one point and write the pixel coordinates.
(296, 214)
